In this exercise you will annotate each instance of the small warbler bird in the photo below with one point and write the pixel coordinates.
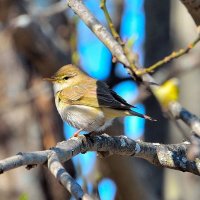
(85, 103)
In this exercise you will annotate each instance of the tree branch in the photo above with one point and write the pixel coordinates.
(172, 156)
(173, 55)
(63, 177)
(188, 118)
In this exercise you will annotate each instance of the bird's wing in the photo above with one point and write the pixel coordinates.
(120, 99)
(93, 93)
(80, 94)
(110, 98)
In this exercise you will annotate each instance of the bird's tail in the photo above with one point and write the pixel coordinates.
(131, 112)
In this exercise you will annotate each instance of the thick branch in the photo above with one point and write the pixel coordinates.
(169, 156)
(63, 177)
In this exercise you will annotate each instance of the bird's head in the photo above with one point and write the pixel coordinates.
(66, 76)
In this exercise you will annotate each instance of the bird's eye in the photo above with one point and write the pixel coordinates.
(65, 78)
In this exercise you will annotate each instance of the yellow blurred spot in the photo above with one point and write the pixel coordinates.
(167, 92)
(23, 196)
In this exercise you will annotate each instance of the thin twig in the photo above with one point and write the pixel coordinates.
(116, 35)
(110, 23)
(171, 57)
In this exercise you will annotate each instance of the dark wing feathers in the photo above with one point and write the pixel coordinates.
(109, 98)
(120, 99)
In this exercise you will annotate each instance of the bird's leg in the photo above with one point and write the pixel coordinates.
(76, 134)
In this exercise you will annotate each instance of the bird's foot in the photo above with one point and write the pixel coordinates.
(76, 134)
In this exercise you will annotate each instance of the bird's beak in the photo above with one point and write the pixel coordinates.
(51, 79)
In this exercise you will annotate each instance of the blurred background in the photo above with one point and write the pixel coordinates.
(37, 37)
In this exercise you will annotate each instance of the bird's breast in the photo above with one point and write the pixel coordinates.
(82, 117)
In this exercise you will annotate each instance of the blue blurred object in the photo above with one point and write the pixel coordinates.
(120, 71)
(87, 162)
(69, 130)
(95, 58)
(107, 189)
(127, 89)
(133, 24)
(133, 126)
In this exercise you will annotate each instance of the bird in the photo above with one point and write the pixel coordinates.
(86, 103)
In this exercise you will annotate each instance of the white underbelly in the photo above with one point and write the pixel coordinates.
(84, 117)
